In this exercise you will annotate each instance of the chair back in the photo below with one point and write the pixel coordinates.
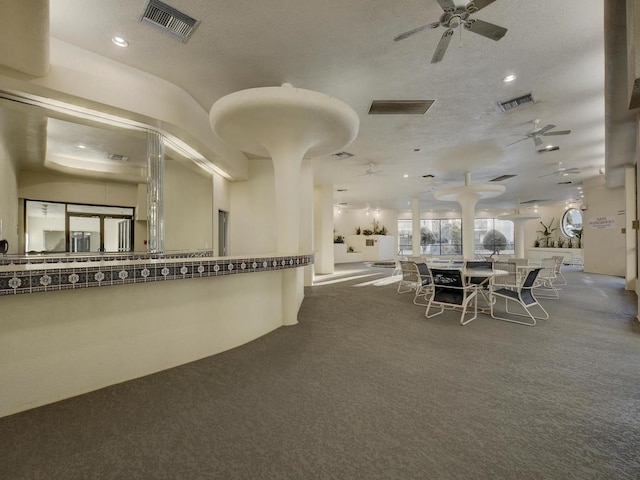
(509, 280)
(449, 286)
(425, 273)
(526, 291)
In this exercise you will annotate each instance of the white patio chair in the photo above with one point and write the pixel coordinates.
(416, 278)
(523, 296)
(560, 279)
(450, 291)
(545, 282)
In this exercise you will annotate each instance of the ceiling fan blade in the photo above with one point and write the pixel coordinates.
(548, 174)
(442, 46)
(428, 26)
(545, 129)
(559, 132)
(486, 29)
(476, 5)
(517, 141)
(447, 5)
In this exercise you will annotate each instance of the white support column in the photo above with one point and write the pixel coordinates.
(631, 240)
(415, 226)
(323, 229)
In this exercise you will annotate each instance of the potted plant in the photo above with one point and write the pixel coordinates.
(358, 231)
(338, 239)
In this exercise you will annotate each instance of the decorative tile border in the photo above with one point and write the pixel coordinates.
(104, 257)
(63, 276)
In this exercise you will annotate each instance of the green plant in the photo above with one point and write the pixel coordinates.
(358, 231)
(536, 243)
(494, 241)
(427, 237)
(561, 242)
(366, 231)
(338, 239)
(350, 250)
(383, 230)
(570, 244)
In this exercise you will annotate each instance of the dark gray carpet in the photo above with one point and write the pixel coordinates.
(365, 387)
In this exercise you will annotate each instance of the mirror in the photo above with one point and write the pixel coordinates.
(65, 154)
(571, 221)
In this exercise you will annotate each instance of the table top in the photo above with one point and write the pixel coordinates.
(476, 272)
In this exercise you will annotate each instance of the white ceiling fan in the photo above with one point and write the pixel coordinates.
(536, 133)
(371, 171)
(562, 171)
(452, 18)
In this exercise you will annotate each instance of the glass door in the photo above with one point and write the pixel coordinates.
(84, 234)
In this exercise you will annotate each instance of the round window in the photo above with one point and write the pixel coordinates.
(571, 221)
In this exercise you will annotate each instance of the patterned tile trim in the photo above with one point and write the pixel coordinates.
(104, 257)
(63, 276)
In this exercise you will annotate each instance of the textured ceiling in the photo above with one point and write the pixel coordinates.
(346, 50)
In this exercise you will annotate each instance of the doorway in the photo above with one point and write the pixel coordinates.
(223, 233)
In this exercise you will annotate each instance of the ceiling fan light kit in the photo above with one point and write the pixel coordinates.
(452, 18)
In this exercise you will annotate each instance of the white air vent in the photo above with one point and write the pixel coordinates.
(168, 19)
(516, 102)
(117, 158)
(400, 107)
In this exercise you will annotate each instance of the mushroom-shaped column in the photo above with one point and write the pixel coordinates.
(519, 220)
(467, 196)
(286, 124)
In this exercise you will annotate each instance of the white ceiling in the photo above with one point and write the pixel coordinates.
(347, 50)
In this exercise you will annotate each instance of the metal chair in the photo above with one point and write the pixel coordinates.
(546, 278)
(561, 280)
(523, 296)
(416, 278)
(451, 291)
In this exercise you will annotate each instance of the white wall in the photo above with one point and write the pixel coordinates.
(346, 220)
(221, 201)
(253, 228)
(188, 207)
(8, 198)
(604, 249)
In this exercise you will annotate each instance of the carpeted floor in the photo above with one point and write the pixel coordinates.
(365, 387)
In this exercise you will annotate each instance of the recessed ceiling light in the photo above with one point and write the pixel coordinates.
(82, 146)
(406, 176)
(509, 78)
(120, 42)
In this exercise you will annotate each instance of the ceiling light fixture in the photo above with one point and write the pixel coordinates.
(120, 42)
(82, 146)
(509, 78)
(406, 175)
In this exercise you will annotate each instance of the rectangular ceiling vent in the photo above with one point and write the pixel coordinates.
(342, 155)
(516, 102)
(400, 107)
(169, 20)
(501, 178)
(532, 201)
(117, 158)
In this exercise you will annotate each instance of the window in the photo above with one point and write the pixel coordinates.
(437, 236)
(493, 236)
(52, 227)
(572, 223)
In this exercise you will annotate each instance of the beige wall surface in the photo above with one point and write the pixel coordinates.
(188, 208)
(94, 337)
(8, 198)
(253, 226)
